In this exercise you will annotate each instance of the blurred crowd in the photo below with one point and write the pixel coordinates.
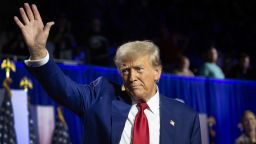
(211, 38)
(248, 128)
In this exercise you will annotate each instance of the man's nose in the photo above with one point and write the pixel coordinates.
(132, 76)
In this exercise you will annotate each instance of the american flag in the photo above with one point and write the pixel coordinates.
(7, 130)
(60, 134)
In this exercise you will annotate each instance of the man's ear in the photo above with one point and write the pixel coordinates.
(158, 71)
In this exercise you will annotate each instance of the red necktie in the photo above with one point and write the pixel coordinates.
(140, 128)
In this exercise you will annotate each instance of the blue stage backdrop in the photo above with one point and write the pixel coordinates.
(224, 99)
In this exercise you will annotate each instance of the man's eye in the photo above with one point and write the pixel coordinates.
(124, 71)
(139, 70)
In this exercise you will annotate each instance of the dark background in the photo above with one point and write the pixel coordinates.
(190, 26)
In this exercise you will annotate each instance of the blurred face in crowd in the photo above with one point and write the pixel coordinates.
(213, 55)
(139, 77)
(185, 63)
(245, 62)
(96, 25)
(249, 122)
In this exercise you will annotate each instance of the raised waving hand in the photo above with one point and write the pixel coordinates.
(34, 32)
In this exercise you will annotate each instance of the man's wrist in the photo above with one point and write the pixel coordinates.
(40, 54)
(37, 62)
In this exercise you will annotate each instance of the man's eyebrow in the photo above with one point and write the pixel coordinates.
(123, 66)
(134, 66)
(138, 66)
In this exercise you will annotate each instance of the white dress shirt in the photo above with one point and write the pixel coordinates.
(37, 63)
(152, 113)
(153, 116)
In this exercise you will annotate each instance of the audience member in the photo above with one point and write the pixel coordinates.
(210, 67)
(166, 41)
(211, 126)
(64, 40)
(228, 62)
(15, 46)
(182, 67)
(249, 129)
(97, 44)
(242, 69)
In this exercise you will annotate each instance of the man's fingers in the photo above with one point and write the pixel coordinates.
(36, 13)
(48, 27)
(24, 16)
(18, 22)
(29, 12)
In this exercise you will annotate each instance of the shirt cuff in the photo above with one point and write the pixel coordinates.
(37, 63)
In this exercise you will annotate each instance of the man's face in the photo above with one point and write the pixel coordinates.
(139, 77)
(185, 63)
(213, 55)
(246, 62)
(249, 122)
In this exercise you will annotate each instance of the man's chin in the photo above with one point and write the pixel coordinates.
(137, 93)
(138, 96)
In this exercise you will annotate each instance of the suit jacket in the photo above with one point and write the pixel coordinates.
(104, 107)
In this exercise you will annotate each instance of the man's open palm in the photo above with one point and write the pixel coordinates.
(33, 30)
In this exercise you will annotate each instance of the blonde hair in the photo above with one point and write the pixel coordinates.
(135, 49)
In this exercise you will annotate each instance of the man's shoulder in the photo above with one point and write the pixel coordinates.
(105, 85)
(206, 65)
(104, 81)
(242, 139)
(177, 105)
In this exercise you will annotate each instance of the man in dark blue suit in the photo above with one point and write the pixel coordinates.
(132, 113)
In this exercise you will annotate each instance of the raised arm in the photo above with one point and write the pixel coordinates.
(34, 32)
(51, 78)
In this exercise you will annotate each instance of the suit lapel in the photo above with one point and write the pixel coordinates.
(167, 122)
(120, 110)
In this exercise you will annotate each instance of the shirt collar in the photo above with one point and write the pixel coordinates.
(153, 102)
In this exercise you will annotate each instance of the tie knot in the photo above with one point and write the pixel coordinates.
(142, 106)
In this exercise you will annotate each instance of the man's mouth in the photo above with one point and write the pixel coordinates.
(135, 86)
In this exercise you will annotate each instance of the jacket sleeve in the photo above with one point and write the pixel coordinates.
(62, 89)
